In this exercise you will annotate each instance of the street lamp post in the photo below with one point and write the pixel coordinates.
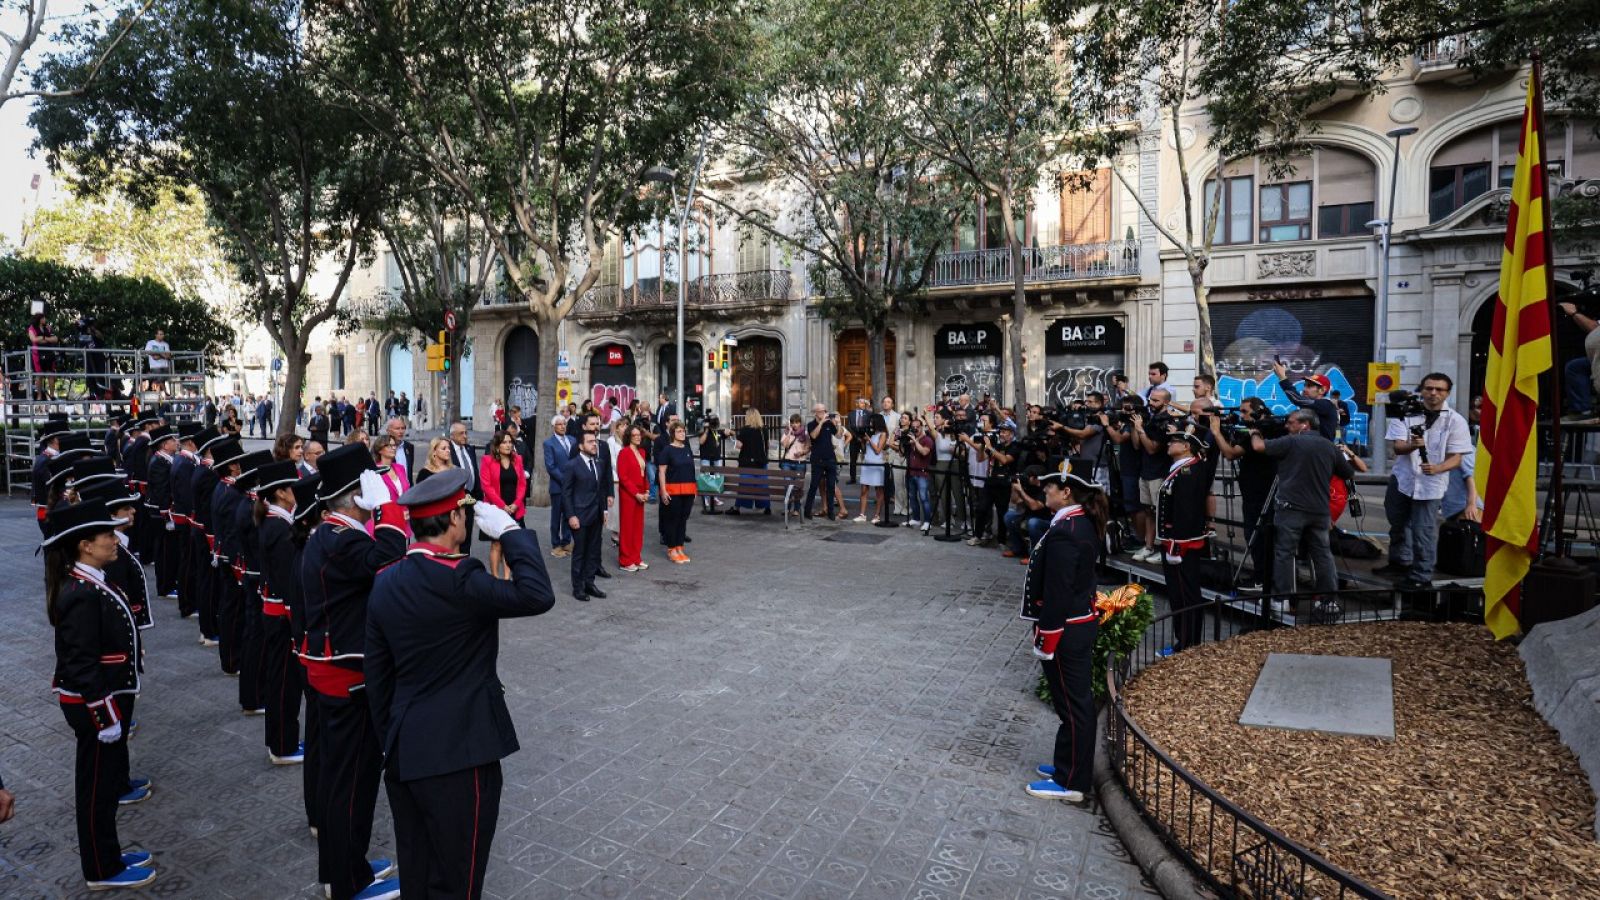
(1377, 422)
(670, 176)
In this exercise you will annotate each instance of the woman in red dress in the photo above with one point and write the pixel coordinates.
(633, 491)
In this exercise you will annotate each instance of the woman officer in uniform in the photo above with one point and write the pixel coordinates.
(1059, 597)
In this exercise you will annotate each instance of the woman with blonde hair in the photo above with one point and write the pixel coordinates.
(751, 443)
(439, 458)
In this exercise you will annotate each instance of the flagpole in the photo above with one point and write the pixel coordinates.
(1558, 497)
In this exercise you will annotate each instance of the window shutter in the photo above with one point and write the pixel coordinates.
(1086, 212)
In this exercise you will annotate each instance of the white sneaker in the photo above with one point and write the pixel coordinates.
(1148, 554)
(926, 527)
(859, 519)
(912, 523)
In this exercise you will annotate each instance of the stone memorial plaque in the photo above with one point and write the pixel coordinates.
(1335, 694)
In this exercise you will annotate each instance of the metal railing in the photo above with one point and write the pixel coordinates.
(1061, 262)
(1234, 851)
(1445, 51)
(758, 286)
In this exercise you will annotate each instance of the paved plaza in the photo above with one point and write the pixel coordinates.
(827, 711)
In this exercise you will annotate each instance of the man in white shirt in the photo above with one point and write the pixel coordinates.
(1427, 447)
(158, 360)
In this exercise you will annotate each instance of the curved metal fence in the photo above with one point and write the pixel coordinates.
(1235, 852)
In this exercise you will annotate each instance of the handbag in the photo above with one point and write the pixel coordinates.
(708, 482)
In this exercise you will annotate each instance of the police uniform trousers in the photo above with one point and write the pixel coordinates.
(443, 827)
(279, 680)
(250, 649)
(207, 584)
(230, 617)
(141, 540)
(1072, 697)
(188, 574)
(311, 769)
(1183, 592)
(100, 776)
(166, 554)
(352, 766)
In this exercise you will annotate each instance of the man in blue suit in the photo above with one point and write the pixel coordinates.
(433, 636)
(557, 453)
(584, 504)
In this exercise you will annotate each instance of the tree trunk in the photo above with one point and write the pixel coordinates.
(545, 408)
(1019, 309)
(1205, 354)
(452, 380)
(877, 364)
(295, 360)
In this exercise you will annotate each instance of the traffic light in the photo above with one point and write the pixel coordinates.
(439, 354)
(724, 358)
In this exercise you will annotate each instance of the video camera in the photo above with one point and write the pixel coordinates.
(1403, 405)
(1238, 428)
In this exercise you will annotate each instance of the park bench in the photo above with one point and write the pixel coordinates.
(774, 485)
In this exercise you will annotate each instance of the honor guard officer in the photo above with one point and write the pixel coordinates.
(1181, 535)
(307, 515)
(203, 540)
(278, 558)
(336, 572)
(183, 466)
(248, 569)
(224, 500)
(433, 636)
(113, 438)
(54, 428)
(1059, 596)
(136, 460)
(96, 680)
(71, 449)
(158, 506)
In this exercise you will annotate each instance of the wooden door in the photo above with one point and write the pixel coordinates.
(855, 369)
(758, 376)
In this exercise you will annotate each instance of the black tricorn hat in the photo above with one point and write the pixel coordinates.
(159, 434)
(82, 519)
(58, 467)
(188, 430)
(250, 468)
(275, 475)
(227, 451)
(305, 496)
(112, 493)
(341, 469)
(55, 425)
(90, 469)
(207, 437)
(74, 444)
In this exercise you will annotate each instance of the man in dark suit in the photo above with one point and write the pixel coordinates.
(860, 418)
(461, 453)
(665, 409)
(558, 450)
(433, 636)
(584, 502)
(590, 424)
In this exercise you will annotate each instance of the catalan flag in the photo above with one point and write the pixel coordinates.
(1520, 350)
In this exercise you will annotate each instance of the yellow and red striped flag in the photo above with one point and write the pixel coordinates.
(1519, 352)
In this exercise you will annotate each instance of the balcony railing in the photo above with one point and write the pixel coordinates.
(764, 285)
(1445, 52)
(1065, 262)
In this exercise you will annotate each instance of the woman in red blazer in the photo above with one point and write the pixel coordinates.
(505, 483)
(633, 491)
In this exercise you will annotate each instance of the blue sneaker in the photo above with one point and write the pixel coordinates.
(381, 868)
(387, 889)
(133, 728)
(290, 759)
(131, 877)
(141, 858)
(1166, 651)
(1046, 770)
(1051, 791)
(135, 783)
(137, 795)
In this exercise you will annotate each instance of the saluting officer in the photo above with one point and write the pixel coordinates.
(96, 680)
(1181, 535)
(1059, 596)
(336, 572)
(433, 636)
(278, 558)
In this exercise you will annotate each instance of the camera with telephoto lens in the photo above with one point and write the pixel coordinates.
(1403, 405)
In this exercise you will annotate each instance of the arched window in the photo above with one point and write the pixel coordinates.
(755, 249)
(1479, 161)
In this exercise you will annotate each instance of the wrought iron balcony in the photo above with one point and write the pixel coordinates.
(707, 291)
(1064, 262)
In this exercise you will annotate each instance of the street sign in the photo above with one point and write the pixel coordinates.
(563, 365)
(563, 391)
(1381, 379)
(277, 364)
(450, 320)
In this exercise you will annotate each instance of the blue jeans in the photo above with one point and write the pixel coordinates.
(1576, 384)
(756, 482)
(1413, 532)
(560, 534)
(650, 477)
(794, 496)
(1036, 529)
(917, 491)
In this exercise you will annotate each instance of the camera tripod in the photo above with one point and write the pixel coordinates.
(947, 488)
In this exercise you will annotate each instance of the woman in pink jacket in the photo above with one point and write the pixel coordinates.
(384, 449)
(505, 486)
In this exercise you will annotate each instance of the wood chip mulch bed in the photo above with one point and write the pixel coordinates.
(1475, 797)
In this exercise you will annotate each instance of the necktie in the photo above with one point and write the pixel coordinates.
(593, 472)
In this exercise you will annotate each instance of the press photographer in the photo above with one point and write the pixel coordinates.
(1307, 462)
(1087, 430)
(1150, 432)
(1429, 440)
(1256, 471)
(1313, 395)
(1028, 516)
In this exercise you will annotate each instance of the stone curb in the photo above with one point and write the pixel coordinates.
(1170, 876)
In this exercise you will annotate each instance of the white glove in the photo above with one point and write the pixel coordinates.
(494, 521)
(171, 527)
(214, 561)
(111, 735)
(374, 492)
